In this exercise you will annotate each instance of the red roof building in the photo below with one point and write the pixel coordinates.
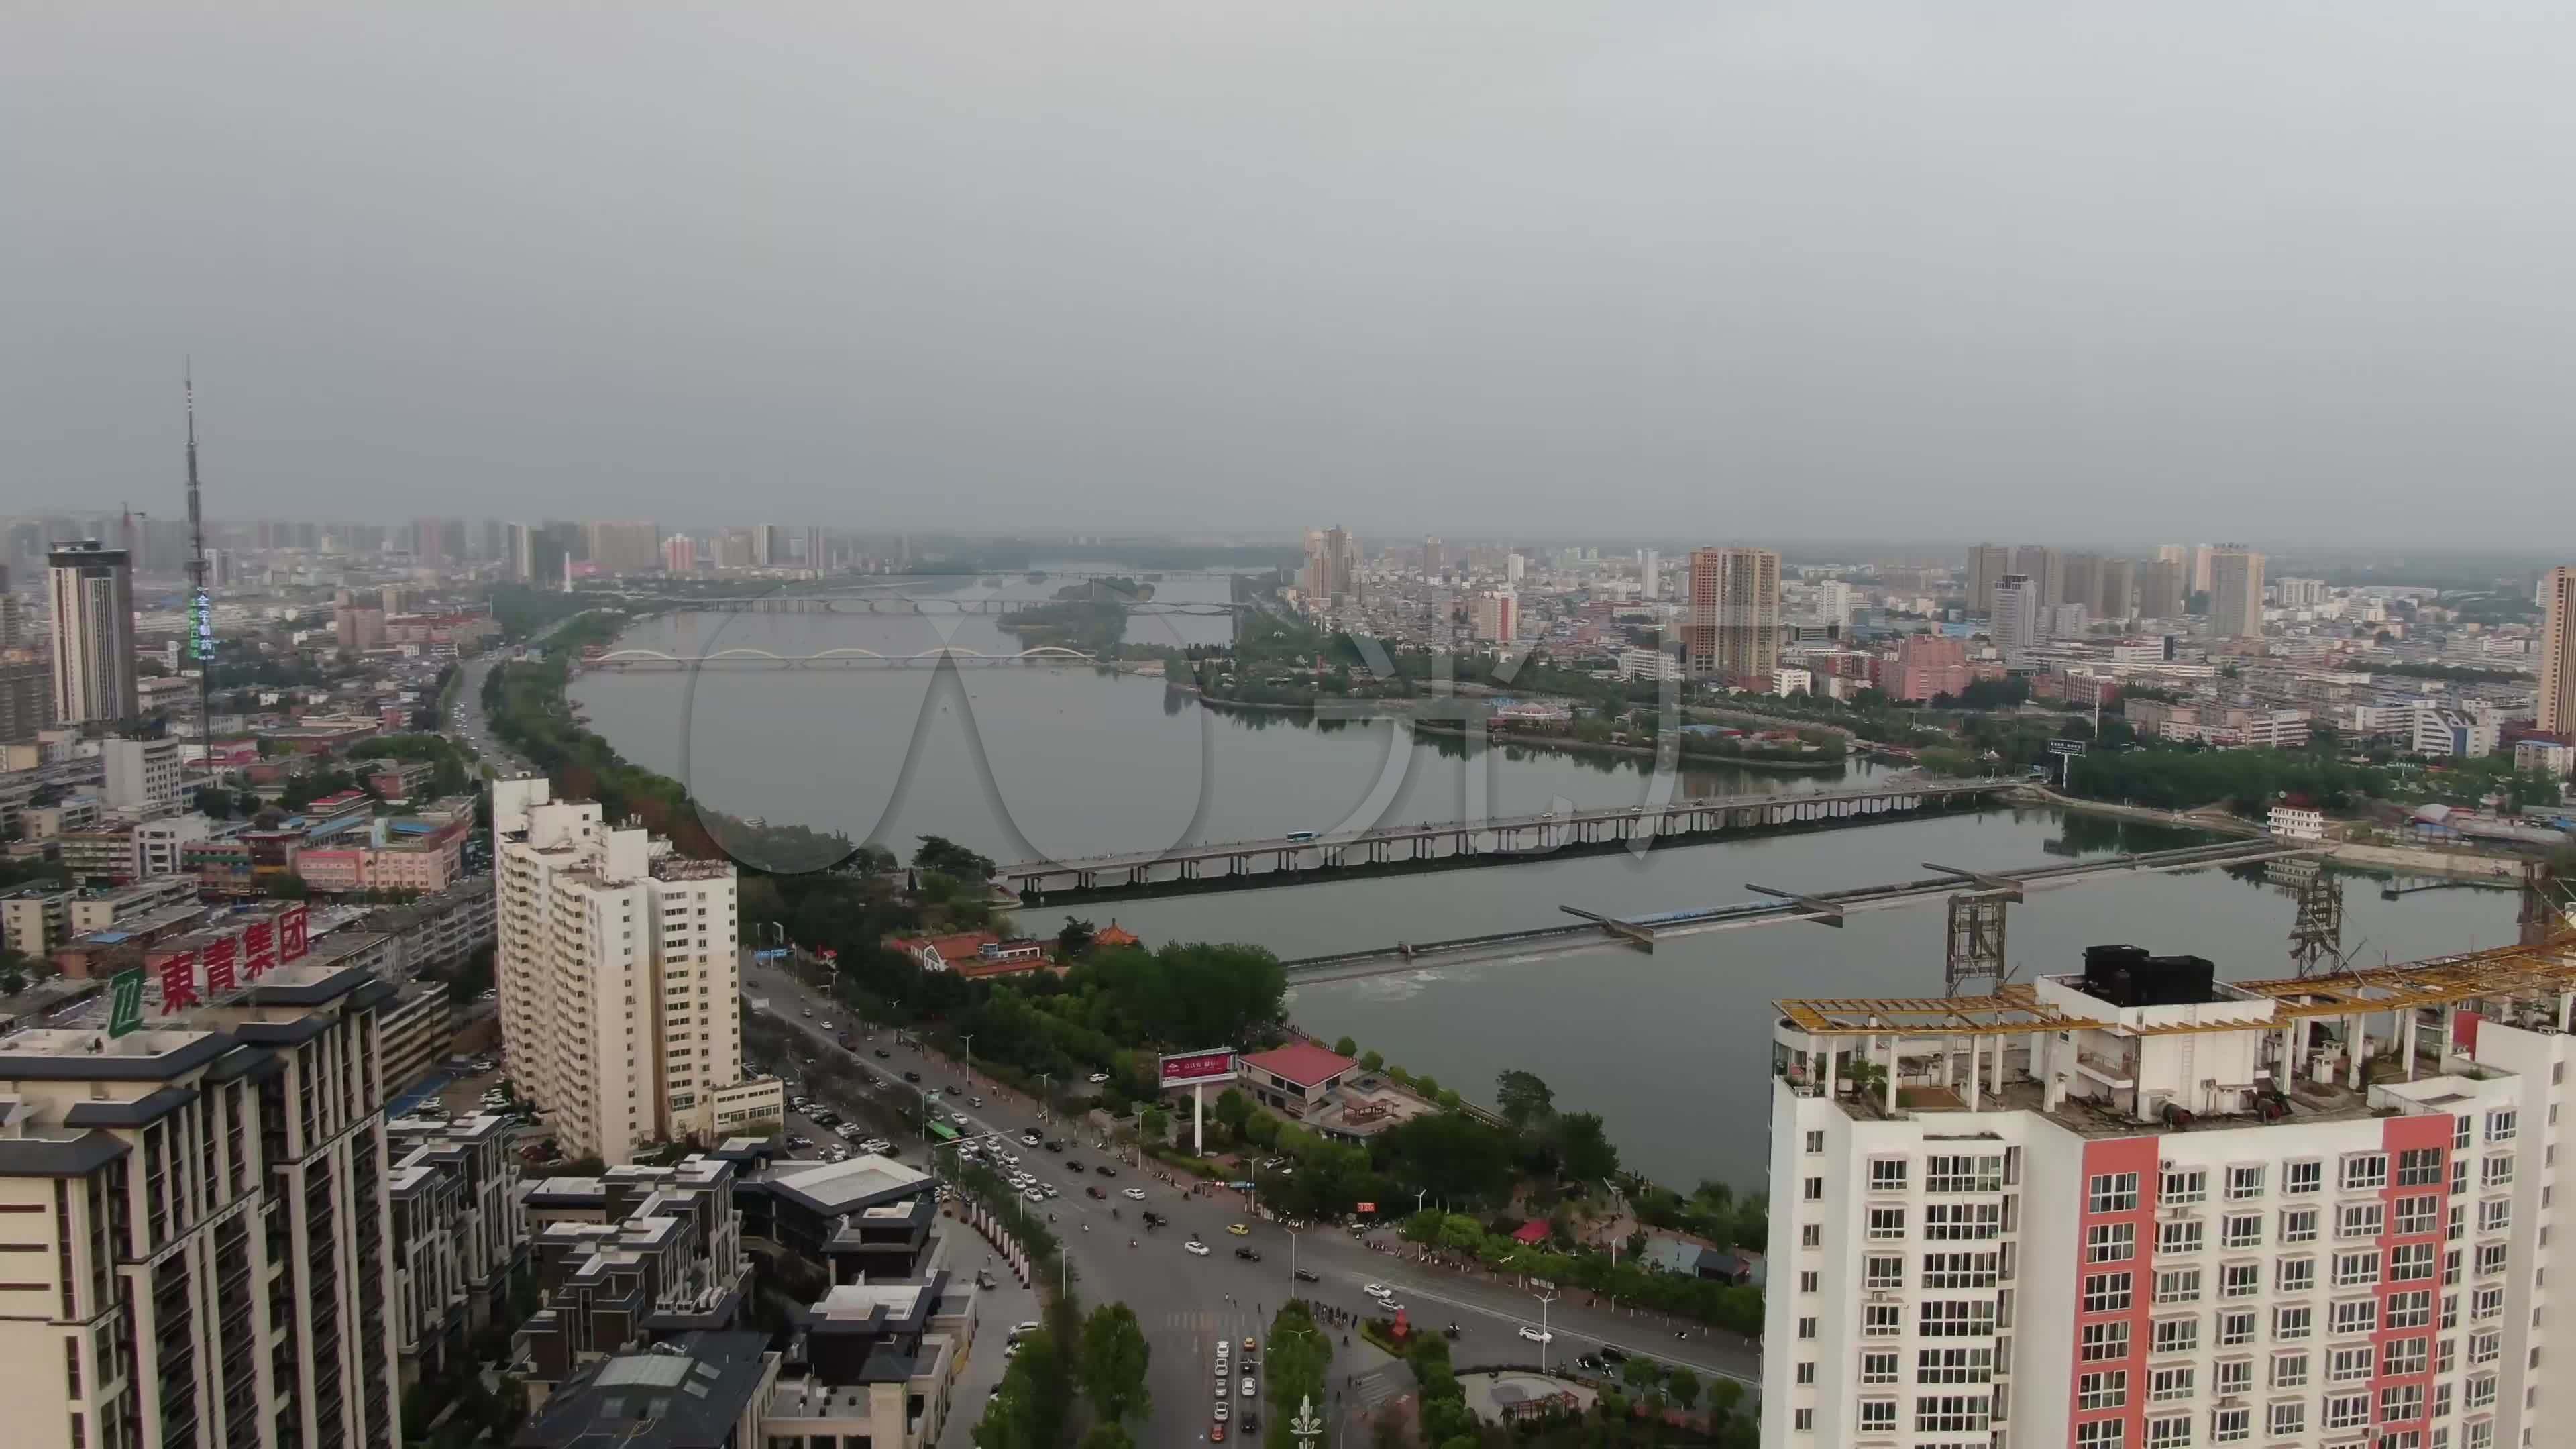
(1293, 1078)
(1114, 935)
(976, 954)
(1530, 1233)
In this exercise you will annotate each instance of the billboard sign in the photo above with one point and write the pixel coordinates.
(1183, 1069)
(125, 1011)
(2066, 747)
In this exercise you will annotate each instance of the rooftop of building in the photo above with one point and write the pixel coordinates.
(688, 1394)
(1303, 1062)
(849, 1186)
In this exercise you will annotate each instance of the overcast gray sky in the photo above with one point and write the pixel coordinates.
(2038, 269)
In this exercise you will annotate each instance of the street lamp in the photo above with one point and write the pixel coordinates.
(1046, 1102)
(1293, 1235)
(1544, 1299)
(970, 1060)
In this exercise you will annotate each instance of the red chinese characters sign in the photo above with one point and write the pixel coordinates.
(1184, 1068)
(219, 966)
(292, 928)
(259, 949)
(179, 981)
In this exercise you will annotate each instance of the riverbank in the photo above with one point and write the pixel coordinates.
(1570, 745)
(2203, 819)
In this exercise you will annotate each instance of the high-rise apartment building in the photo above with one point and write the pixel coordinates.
(2045, 568)
(142, 774)
(195, 1220)
(2160, 589)
(92, 591)
(2299, 593)
(1332, 566)
(1498, 616)
(1650, 574)
(737, 548)
(13, 623)
(619, 987)
(680, 554)
(2115, 593)
(1732, 631)
(1987, 563)
(26, 701)
(2136, 1206)
(814, 550)
(630, 546)
(2082, 581)
(2015, 624)
(2235, 593)
(2558, 651)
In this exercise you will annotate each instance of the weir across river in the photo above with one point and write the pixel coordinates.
(1391, 849)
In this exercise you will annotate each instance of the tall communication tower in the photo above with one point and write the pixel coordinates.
(201, 610)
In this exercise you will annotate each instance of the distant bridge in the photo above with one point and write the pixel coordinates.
(1287, 860)
(653, 660)
(878, 603)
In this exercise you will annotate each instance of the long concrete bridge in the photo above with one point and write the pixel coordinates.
(655, 661)
(879, 603)
(1286, 860)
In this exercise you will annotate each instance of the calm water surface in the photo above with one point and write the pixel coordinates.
(1671, 1047)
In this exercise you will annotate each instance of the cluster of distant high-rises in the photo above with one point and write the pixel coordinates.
(2030, 592)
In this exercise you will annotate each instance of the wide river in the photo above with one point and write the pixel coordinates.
(1672, 1048)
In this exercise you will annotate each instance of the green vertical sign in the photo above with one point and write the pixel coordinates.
(126, 1012)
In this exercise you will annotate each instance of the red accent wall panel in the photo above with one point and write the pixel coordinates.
(2118, 1155)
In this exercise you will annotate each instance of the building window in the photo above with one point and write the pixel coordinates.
(2180, 1236)
(1814, 1190)
(2110, 1242)
(2347, 1411)
(2360, 1220)
(1957, 1318)
(2486, 1303)
(1811, 1235)
(2410, 1262)
(2500, 1125)
(1815, 1142)
(1958, 1173)
(2170, 1432)
(2183, 1186)
(2235, 1330)
(2350, 1365)
(1887, 1174)
(1878, 1416)
(2419, 1167)
(2244, 1180)
(2289, 1370)
(1882, 1320)
(2292, 1321)
(1886, 1223)
(2289, 1419)
(2101, 1434)
(2299, 1225)
(1954, 1366)
(2307, 1176)
(2407, 1357)
(2480, 1393)
(2240, 1280)
(2356, 1315)
(2113, 1192)
(2484, 1346)
(1962, 1221)
(1807, 1327)
(1960, 1270)
(1950, 1413)
(2177, 1335)
(2410, 1310)
(2106, 1292)
(2108, 1389)
(1878, 1366)
(2354, 1269)
(2365, 1170)
(2169, 1384)
(2495, 1172)
(1882, 1273)
(2490, 1258)
(2234, 1376)
(2178, 1285)
(2242, 1230)
(2401, 1402)
(2495, 1215)
(2227, 1426)
(2418, 1215)
(2295, 1275)
(2101, 1341)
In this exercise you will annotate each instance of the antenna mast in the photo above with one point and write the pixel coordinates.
(201, 613)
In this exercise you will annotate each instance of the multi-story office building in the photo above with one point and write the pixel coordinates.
(141, 775)
(194, 1216)
(2137, 1206)
(2161, 589)
(2558, 652)
(1926, 666)
(2235, 593)
(620, 990)
(34, 919)
(1498, 616)
(458, 1231)
(2045, 568)
(679, 554)
(2015, 626)
(92, 591)
(1732, 631)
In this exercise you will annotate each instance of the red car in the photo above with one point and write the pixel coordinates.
(1216, 1432)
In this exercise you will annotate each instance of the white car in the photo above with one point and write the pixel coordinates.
(957, 1117)
(1378, 1290)
(1220, 1411)
(1097, 1078)
(1032, 1194)
(1246, 1389)
(1197, 1248)
(1134, 1194)
(1390, 1305)
(1536, 1335)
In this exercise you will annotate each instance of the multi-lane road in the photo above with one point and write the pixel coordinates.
(1187, 1302)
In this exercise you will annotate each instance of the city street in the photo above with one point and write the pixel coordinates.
(1185, 1302)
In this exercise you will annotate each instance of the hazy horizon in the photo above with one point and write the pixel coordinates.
(2285, 273)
